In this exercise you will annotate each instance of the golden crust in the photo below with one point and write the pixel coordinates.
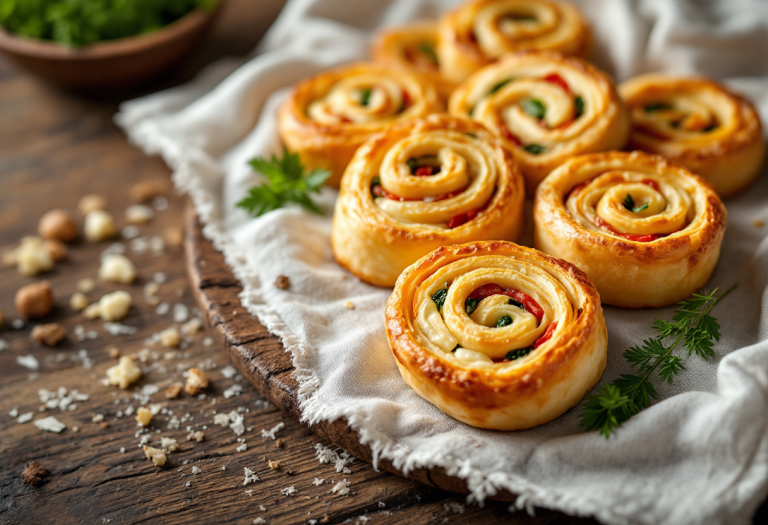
(398, 48)
(631, 272)
(510, 395)
(481, 31)
(325, 121)
(708, 129)
(583, 111)
(376, 238)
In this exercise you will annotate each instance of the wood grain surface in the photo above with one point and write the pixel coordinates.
(53, 149)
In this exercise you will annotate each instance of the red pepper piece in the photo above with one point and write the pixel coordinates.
(652, 183)
(423, 171)
(554, 78)
(486, 290)
(547, 335)
(507, 135)
(462, 218)
(379, 191)
(528, 302)
(629, 236)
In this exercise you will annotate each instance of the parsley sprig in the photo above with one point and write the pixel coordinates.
(629, 203)
(691, 326)
(285, 183)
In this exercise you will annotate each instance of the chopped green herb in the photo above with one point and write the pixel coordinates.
(428, 50)
(285, 183)
(498, 86)
(709, 128)
(534, 149)
(365, 96)
(533, 107)
(439, 298)
(629, 203)
(650, 108)
(578, 107)
(517, 354)
(504, 320)
(471, 110)
(515, 303)
(412, 164)
(470, 305)
(471, 135)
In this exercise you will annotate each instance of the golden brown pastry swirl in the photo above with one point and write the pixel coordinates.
(420, 185)
(546, 107)
(496, 335)
(645, 231)
(481, 31)
(327, 117)
(698, 123)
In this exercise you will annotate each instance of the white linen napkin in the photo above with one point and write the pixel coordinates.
(698, 456)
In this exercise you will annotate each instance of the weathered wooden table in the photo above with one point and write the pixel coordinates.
(54, 148)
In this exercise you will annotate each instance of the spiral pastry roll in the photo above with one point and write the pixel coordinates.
(481, 31)
(427, 183)
(496, 335)
(647, 232)
(329, 116)
(546, 107)
(697, 123)
(412, 48)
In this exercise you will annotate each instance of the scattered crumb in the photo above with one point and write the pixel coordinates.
(56, 249)
(170, 337)
(122, 450)
(382, 504)
(196, 470)
(271, 433)
(49, 334)
(78, 301)
(326, 519)
(250, 476)
(116, 268)
(98, 418)
(25, 418)
(221, 419)
(171, 445)
(75, 429)
(192, 327)
(318, 482)
(452, 506)
(124, 373)
(28, 361)
(57, 225)
(259, 521)
(196, 380)
(35, 300)
(196, 436)
(242, 447)
(92, 311)
(174, 237)
(113, 306)
(89, 203)
(143, 416)
(146, 190)
(173, 391)
(114, 353)
(274, 465)
(339, 460)
(50, 423)
(139, 214)
(349, 305)
(99, 226)
(32, 257)
(282, 282)
(279, 443)
(341, 488)
(288, 491)
(155, 454)
(86, 285)
(758, 223)
(34, 473)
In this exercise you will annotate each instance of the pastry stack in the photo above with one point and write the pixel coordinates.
(435, 146)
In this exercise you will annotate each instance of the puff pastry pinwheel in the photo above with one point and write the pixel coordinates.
(481, 31)
(421, 185)
(646, 231)
(328, 116)
(496, 335)
(412, 47)
(546, 107)
(697, 123)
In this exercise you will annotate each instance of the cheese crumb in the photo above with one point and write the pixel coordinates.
(250, 476)
(155, 454)
(196, 380)
(271, 433)
(99, 226)
(116, 268)
(349, 305)
(78, 301)
(274, 465)
(32, 257)
(50, 423)
(173, 391)
(114, 306)
(318, 482)
(192, 327)
(196, 436)
(86, 285)
(288, 491)
(28, 361)
(170, 338)
(139, 214)
(143, 416)
(92, 311)
(89, 203)
(341, 488)
(124, 373)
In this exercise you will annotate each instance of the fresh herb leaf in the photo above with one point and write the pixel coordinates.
(515, 303)
(439, 298)
(498, 86)
(691, 326)
(517, 354)
(533, 107)
(504, 320)
(365, 96)
(428, 50)
(534, 149)
(470, 305)
(285, 183)
(629, 203)
(651, 108)
(578, 107)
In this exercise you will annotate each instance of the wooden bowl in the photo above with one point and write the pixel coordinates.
(112, 65)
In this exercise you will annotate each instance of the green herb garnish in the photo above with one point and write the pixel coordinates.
(533, 107)
(439, 298)
(709, 128)
(534, 149)
(578, 107)
(517, 354)
(650, 108)
(616, 402)
(428, 50)
(474, 136)
(512, 302)
(80, 22)
(470, 305)
(365, 96)
(629, 203)
(285, 183)
(504, 320)
(497, 86)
